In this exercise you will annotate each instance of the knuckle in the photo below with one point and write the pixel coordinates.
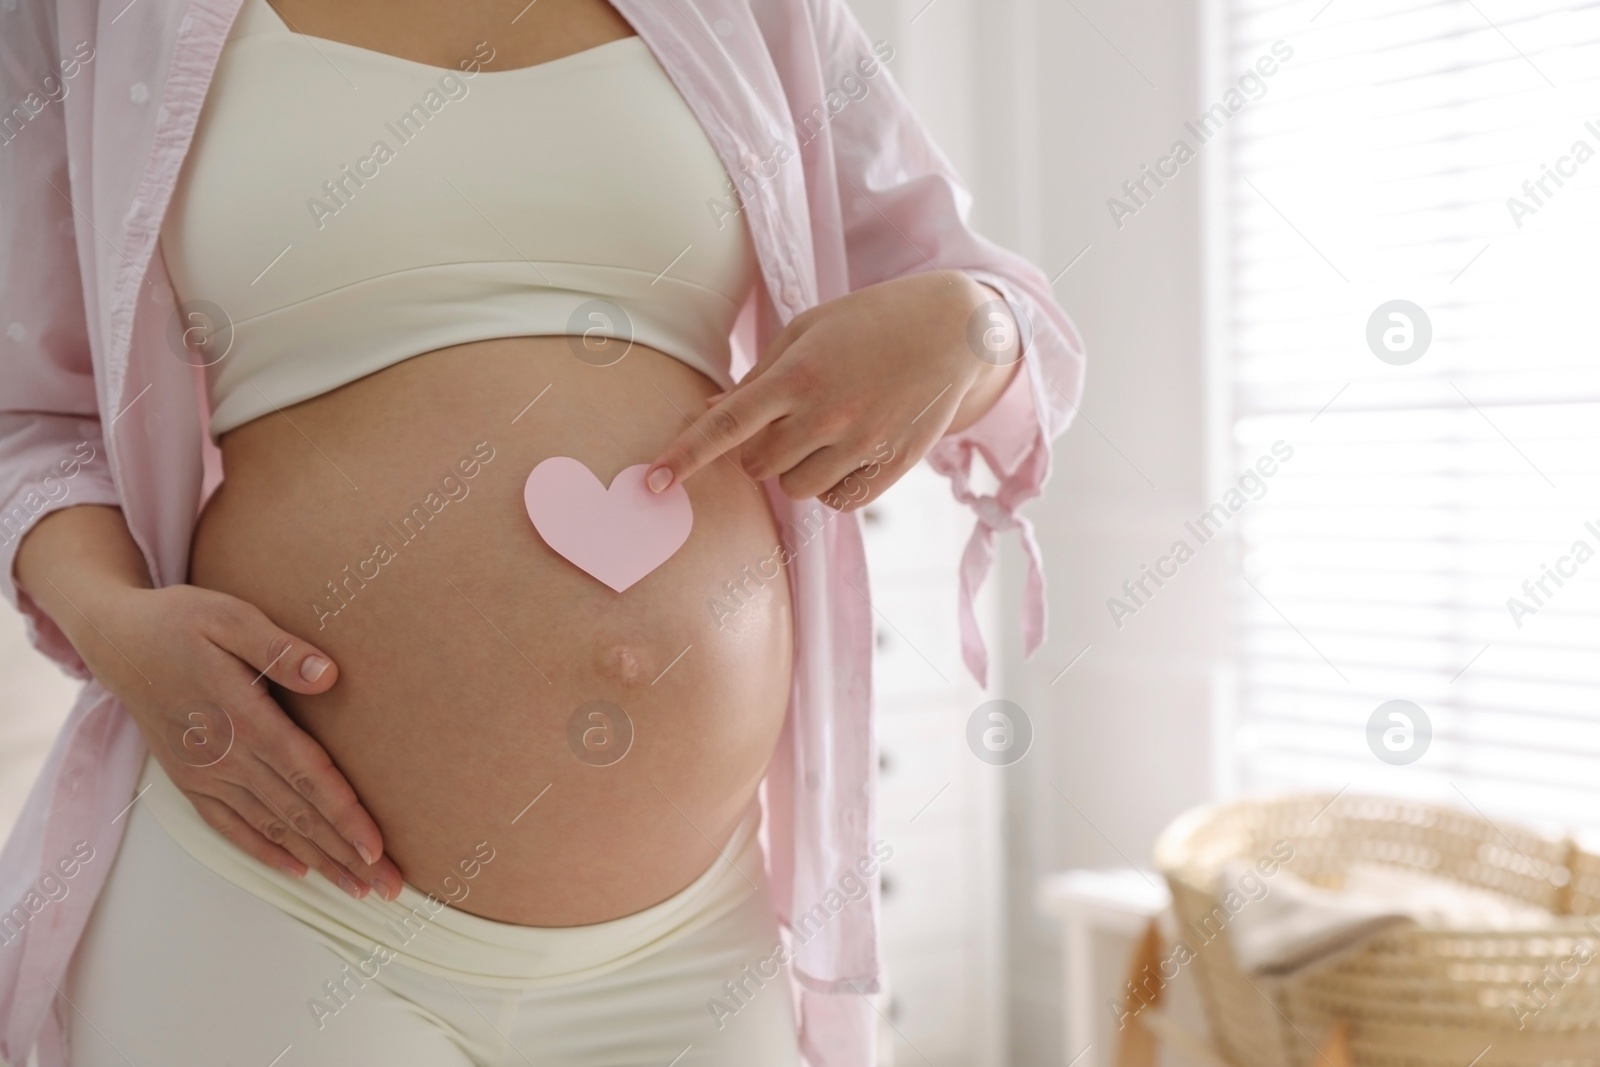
(802, 376)
(345, 813)
(214, 614)
(226, 615)
(721, 423)
(304, 783)
(228, 607)
(304, 820)
(250, 620)
(275, 831)
(835, 418)
(793, 487)
(278, 646)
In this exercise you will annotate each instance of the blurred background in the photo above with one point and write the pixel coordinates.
(1334, 263)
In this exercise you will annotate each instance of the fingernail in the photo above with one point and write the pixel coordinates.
(351, 887)
(659, 479)
(366, 854)
(382, 890)
(311, 668)
(293, 870)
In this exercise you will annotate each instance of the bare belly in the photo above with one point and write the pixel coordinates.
(467, 648)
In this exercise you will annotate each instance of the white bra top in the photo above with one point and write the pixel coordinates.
(341, 210)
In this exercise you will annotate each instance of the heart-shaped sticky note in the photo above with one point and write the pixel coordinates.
(618, 535)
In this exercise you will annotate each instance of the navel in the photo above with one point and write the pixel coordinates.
(623, 664)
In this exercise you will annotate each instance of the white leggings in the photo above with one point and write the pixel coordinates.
(180, 965)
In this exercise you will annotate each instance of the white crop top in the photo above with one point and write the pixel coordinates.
(341, 210)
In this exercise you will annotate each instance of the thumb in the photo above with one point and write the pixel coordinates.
(244, 630)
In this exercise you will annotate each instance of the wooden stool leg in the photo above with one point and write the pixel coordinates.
(1335, 1050)
(1136, 1045)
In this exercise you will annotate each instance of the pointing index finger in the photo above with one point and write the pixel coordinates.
(734, 420)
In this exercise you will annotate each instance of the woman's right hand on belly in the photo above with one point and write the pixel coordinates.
(190, 665)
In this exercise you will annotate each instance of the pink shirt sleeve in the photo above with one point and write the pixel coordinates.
(1013, 439)
(904, 210)
(52, 454)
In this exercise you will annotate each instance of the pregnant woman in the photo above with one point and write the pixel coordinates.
(375, 763)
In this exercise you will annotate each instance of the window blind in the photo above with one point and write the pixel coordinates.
(1435, 537)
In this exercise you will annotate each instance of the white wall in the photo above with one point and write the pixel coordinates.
(1046, 107)
(1125, 735)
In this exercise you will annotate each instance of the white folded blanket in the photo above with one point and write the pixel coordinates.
(1294, 925)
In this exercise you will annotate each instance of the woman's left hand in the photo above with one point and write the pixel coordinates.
(868, 382)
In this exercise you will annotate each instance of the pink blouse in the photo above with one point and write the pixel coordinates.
(841, 188)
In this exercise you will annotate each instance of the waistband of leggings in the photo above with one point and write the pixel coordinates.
(426, 933)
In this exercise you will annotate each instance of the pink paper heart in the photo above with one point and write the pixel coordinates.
(617, 535)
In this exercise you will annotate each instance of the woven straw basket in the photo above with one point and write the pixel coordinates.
(1411, 997)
